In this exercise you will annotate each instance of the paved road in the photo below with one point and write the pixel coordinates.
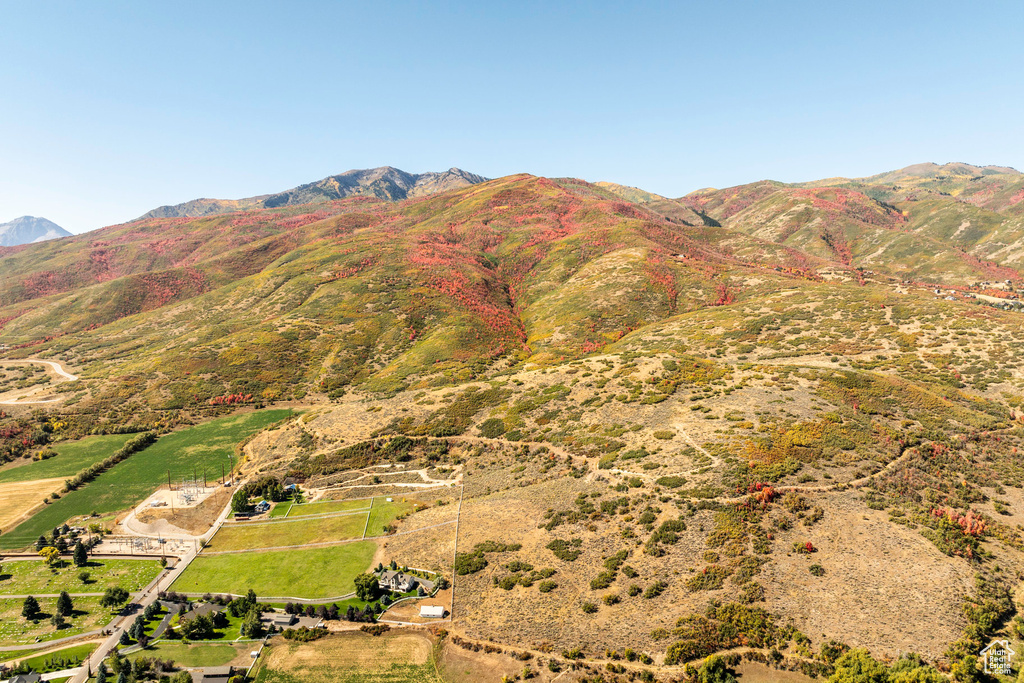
(148, 596)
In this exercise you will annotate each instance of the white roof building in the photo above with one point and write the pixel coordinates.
(432, 611)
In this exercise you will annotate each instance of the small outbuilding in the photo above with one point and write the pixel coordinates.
(432, 611)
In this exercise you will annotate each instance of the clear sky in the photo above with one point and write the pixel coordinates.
(109, 109)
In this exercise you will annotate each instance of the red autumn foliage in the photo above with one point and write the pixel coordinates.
(230, 399)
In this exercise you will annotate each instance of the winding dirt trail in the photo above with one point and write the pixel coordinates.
(11, 398)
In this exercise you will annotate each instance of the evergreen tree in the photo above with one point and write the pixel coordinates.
(80, 556)
(101, 673)
(124, 640)
(57, 620)
(41, 543)
(122, 677)
(30, 608)
(252, 627)
(64, 605)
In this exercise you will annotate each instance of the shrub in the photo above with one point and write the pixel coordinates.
(664, 434)
(492, 428)
(817, 570)
(603, 580)
(469, 563)
(565, 550)
(671, 482)
(655, 589)
(589, 608)
(547, 586)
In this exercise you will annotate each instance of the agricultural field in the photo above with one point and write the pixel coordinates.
(16, 630)
(33, 577)
(194, 448)
(71, 457)
(21, 497)
(287, 533)
(299, 573)
(353, 657)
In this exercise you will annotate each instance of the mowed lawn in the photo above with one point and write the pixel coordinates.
(67, 658)
(128, 483)
(246, 536)
(16, 630)
(72, 457)
(32, 577)
(196, 654)
(352, 657)
(324, 507)
(305, 573)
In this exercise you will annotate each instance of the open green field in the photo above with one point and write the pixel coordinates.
(68, 658)
(194, 655)
(325, 507)
(281, 509)
(288, 533)
(195, 448)
(303, 573)
(16, 630)
(384, 513)
(352, 657)
(32, 577)
(72, 457)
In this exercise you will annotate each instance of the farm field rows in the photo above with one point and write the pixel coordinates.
(299, 573)
(203, 446)
(28, 577)
(72, 457)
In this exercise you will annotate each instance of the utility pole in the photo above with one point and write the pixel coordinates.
(169, 487)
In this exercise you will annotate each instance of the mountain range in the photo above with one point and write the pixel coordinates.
(519, 268)
(28, 229)
(385, 182)
(708, 422)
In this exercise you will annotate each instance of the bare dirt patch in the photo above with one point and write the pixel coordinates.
(196, 519)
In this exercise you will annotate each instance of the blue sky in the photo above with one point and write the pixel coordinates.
(112, 108)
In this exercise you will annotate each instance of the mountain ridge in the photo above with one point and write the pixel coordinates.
(384, 182)
(29, 229)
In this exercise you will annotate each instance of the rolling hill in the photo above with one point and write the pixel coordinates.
(709, 423)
